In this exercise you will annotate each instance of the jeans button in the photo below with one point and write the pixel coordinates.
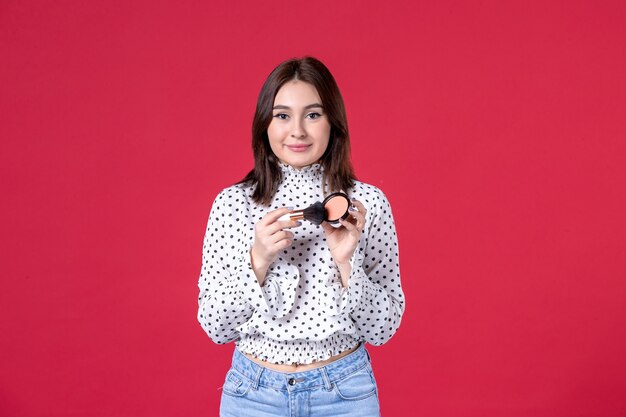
(291, 381)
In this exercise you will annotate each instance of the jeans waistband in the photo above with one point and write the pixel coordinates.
(322, 376)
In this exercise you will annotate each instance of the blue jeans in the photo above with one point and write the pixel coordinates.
(345, 387)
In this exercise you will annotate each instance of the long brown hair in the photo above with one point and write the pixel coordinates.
(266, 174)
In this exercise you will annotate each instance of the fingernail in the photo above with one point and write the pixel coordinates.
(352, 208)
(289, 208)
(298, 223)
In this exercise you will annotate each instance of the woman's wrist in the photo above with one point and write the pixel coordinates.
(345, 269)
(258, 266)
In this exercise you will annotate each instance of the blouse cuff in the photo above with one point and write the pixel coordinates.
(346, 299)
(277, 296)
(280, 288)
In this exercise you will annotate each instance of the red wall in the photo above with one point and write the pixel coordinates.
(497, 130)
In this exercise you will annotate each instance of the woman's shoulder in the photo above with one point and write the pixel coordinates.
(368, 193)
(374, 200)
(234, 195)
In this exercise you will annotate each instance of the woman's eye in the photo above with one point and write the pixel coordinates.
(313, 115)
(281, 116)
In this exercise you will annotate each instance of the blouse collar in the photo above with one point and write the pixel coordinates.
(313, 171)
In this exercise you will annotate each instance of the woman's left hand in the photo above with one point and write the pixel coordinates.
(342, 241)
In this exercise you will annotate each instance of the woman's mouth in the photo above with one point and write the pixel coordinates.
(298, 148)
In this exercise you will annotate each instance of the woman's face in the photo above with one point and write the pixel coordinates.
(299, 131)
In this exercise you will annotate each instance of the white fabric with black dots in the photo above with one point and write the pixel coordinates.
(302, 313)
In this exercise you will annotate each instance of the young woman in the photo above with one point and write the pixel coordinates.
(299, 300)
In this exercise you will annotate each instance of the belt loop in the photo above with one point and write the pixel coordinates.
(257, 377)
(327, 384)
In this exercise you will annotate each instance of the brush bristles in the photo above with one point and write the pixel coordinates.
(315, 213)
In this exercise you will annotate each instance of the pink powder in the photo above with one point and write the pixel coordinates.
(336, 207)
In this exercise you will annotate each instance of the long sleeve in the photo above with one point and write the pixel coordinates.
(374, 298)
(229, 291)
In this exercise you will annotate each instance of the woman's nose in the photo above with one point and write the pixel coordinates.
(298, 130)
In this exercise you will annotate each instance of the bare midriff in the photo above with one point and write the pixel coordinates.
(298, 367)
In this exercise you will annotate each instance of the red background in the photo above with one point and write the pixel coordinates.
(496, 129)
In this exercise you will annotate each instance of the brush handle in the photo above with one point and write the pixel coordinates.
(293, 216)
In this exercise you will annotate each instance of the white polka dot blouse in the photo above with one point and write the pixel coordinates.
(302, 313)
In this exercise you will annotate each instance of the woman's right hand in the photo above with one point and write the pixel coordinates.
(270, 238)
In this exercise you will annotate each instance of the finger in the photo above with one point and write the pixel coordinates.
(360, 207)
(328, 229)
(270, 223)
(272, 228)
(282, 239)
(288, 224)
(272, 239)
(282, 244)
(281, 235)
(359, 218)
(348, 225)
(273, 215)
(276, 241)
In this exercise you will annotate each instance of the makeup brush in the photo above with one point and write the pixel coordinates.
(315, 213)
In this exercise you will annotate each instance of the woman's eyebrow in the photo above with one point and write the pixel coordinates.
(310, 106)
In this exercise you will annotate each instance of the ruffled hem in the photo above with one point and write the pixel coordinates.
(299, 351)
